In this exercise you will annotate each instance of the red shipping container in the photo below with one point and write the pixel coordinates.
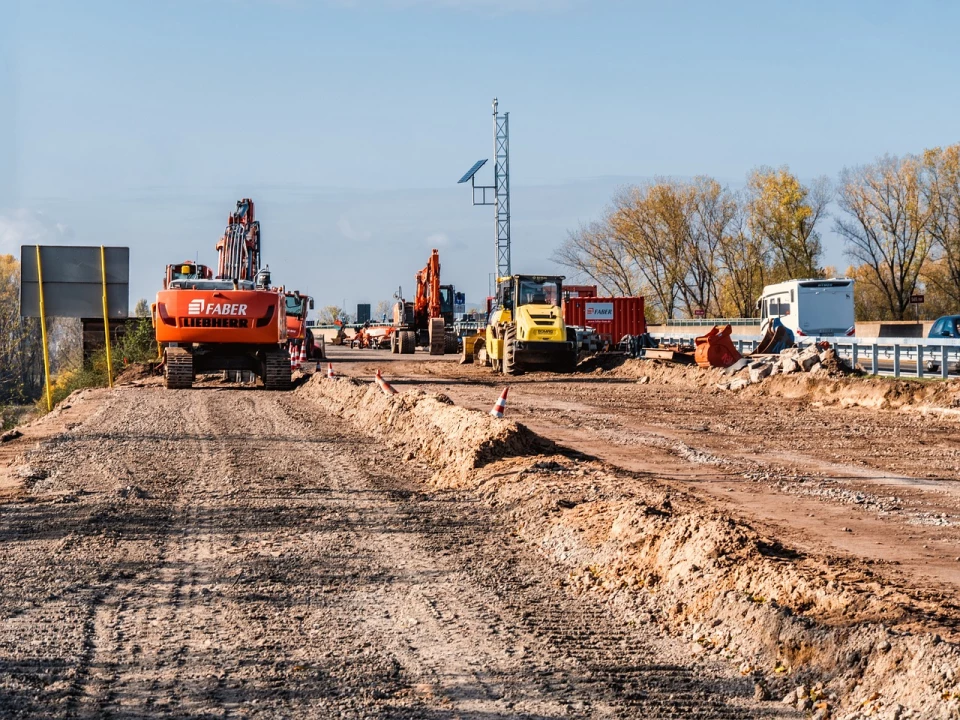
(584, 291)
(611, 317)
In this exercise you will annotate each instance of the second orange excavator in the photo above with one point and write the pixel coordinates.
(428, 320)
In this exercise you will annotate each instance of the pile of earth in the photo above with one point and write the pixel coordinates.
(855, 643)
(843, 388)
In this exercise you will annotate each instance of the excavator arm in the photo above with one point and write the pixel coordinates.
(239, 248)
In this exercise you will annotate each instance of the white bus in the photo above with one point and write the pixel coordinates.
(810, 307)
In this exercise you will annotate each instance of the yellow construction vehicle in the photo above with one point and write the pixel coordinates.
(525, 329)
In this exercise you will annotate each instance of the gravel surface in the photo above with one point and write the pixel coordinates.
(222, 552)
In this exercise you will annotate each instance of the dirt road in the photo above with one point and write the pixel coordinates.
(881, 486)
(223, 552)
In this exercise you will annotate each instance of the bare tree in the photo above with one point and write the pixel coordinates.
(383, 309)
(711, 210)
(596, 252)
(887, 225)
(942, 190)
(21, 347)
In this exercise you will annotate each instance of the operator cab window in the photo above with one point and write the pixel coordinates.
(294, 306)
(539, 293)
(446, 300)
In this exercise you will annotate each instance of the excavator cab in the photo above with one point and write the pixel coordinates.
(298, 305)
(446, 304)
(187, 270)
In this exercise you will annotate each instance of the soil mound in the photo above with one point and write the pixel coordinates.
(135, 372)
(453, 440)
(827, 387)
(851, 640)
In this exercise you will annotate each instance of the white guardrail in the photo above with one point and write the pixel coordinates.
(924, 357)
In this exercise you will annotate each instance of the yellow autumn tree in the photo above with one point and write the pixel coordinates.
(785, 215)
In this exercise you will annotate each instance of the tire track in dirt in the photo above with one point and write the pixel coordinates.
(226, 552)
(571, 644)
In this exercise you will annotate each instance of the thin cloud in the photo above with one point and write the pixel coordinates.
(496, 6)
(438, 240)
(26, 227)
(351, 233)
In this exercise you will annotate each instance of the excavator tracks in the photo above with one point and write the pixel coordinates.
(178, 368)
(276, 374)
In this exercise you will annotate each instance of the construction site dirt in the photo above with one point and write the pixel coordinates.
(641, 545)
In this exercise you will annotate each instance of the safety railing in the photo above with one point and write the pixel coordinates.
(709, 322)
(916, 357)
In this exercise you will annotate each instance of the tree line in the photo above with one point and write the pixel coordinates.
(696, 247)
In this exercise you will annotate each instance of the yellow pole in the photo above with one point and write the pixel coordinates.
(43, 333)
(106, 316)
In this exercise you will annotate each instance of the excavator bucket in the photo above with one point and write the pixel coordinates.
(715, 349)
(776, 338)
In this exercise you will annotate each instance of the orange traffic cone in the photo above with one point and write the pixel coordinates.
(303, 353)
(294, 358)
(330, 374)
(501, 405)
(387, 388)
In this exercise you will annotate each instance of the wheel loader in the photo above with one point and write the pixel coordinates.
(525, 329)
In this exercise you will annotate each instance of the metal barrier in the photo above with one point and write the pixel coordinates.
(709, 322)
(930, 357)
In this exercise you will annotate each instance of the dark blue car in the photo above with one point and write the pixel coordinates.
(947, 326)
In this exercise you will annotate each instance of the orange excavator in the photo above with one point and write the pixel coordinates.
(298, 305)
(428, 320)
(234, 321)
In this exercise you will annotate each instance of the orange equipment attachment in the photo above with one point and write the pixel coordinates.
(715, 349)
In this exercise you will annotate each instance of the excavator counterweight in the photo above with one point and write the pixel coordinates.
(232, 322)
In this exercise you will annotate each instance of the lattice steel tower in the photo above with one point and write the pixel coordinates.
(500, 189)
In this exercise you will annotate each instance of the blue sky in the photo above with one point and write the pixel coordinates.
(349, 122)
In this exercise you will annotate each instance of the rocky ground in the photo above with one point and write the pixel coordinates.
(227, 552)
